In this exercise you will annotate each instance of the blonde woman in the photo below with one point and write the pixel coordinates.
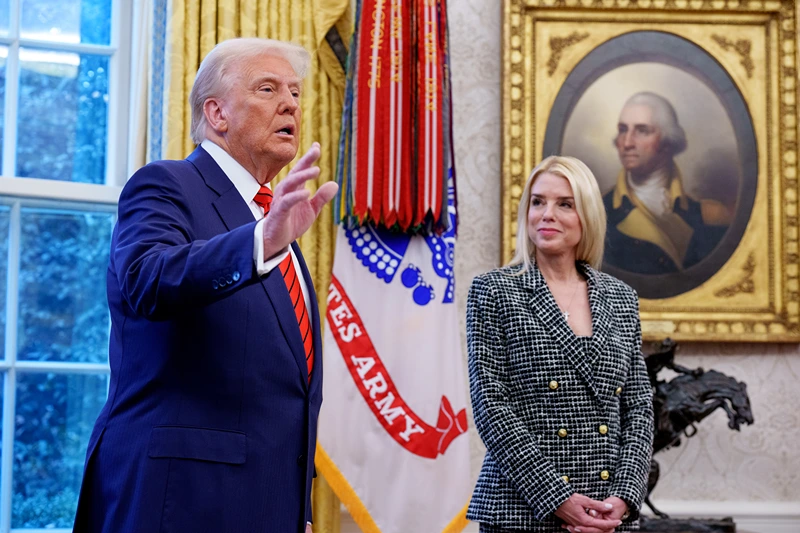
(559, 386)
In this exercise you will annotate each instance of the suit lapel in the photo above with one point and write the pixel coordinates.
(278, 295)
(232, 209)
(313, 308)
(230, 206)
(234, 213)
(550, 315)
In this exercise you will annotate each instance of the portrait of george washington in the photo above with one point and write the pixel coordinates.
(670, 140)
(656, 226)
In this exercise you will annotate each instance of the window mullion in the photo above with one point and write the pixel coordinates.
(7, 467)
(43, 530)
(11, 104)
(61, 367)
(9, 383)
(35, 188)
(118, 94)
(74, 48)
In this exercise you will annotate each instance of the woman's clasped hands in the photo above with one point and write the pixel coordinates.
(582, 514)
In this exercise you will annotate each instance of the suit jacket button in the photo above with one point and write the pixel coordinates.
(236, 275)
(604, 475)
(553, 385)
(565, 478)
(603, 429)
(618, 391)
(301, 460)
(562, 433)
(215, 284)
(229, 280)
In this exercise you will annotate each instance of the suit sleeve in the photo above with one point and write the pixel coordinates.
(160, 266)
(636, 411)
(505, 435)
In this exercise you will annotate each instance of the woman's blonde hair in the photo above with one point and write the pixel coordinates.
(588, 204)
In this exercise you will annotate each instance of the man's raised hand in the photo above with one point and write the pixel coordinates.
(293, 209)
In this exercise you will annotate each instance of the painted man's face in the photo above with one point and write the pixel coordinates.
(638, 140)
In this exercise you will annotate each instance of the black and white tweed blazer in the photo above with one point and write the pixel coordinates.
(555, 419)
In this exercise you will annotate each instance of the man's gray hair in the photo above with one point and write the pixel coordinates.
(672, 135)
(213, 78)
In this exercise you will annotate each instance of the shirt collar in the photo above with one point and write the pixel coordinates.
(675, 189)
(244, 182)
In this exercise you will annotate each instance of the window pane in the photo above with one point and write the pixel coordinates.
(63, 314)
(67, 21)
(4, 17)
(63, 114)
(4, 218)
(54, 417)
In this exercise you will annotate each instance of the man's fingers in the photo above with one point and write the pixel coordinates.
(296, 180)
(289, 200)
(324, 194)
(308, 159)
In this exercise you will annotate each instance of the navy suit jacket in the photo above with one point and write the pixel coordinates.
(210, 423)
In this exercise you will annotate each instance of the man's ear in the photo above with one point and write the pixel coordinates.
(215, 115)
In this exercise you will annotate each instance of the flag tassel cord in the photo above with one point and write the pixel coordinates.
(358, 511)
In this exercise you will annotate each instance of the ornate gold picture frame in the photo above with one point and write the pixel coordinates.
(727, 71)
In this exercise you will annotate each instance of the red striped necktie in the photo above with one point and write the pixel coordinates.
(264, 199)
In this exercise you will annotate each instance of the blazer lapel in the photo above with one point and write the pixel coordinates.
(602, 320)
(601, 312)
(548, 312)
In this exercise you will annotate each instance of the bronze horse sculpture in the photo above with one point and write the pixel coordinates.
(685, 400)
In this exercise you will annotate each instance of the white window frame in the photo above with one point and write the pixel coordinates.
(18, 192)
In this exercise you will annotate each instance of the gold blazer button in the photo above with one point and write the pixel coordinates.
(553, 385)
(562, 433)
(603, 429)
(565, 478)
(618, 391)
(604, 475)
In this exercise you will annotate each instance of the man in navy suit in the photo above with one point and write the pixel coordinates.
(215, 352)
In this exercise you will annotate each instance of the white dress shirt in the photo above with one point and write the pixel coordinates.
(247, 186)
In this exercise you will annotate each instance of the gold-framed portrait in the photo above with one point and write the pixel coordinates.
(686, 112)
